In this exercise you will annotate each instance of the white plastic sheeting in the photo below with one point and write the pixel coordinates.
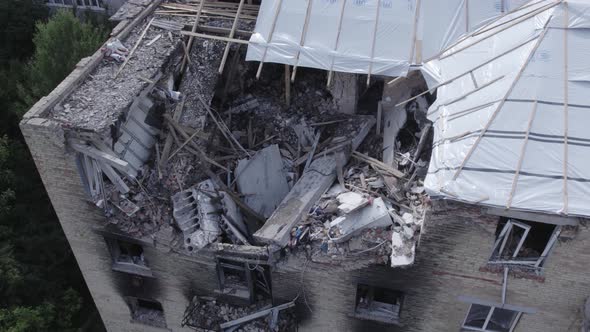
(381, 37)
(512, 113)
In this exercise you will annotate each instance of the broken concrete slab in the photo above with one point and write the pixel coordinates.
(403, 251)
(313, 183)
(263, 180)
(371, 216)
(351, 201)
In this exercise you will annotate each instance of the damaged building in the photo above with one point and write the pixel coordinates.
(327, 165)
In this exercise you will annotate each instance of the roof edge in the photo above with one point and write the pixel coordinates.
(84, 67)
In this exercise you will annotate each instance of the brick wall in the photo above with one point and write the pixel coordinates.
(174, 275)
(455, 245)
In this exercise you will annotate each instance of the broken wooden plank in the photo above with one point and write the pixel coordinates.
(117, 163)
(114, 177)
(378, 164)
(169, 138)
(313, 183)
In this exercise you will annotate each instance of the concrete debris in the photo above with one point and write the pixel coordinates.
(203, 213)
(172, 148)
(126, 206)
(402, 254)
(351, 201)
(99, 101)
(374, 215)
(305, 133)
(212, 315)
(262, 180)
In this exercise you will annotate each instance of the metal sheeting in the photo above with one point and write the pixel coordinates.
(381, 37)
(513, 132)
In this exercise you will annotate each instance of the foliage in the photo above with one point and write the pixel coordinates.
(41, 288)
(17, 25)
(25, 319)
(59, 45)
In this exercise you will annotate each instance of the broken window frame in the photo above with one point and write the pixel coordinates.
(484, 327)
(134, 302)
(379, 317)
(500, 245)
(257, 279)
(124, 265)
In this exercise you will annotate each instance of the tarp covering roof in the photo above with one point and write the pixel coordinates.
(381, 37)
(512, 112)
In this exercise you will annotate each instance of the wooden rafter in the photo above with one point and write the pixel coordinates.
(374, 42)
(231, 35)
(469, 71)
(521, 157)
(337, 42)
(501, 104)
(269, 39)
(302, 40)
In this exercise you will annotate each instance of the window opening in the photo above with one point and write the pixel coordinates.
(148, 312)
(523, 242)
(380, 304)
(489, 318)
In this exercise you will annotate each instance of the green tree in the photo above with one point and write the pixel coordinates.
(17, 26)
(41, 288)
(27, 319)
(59, 45)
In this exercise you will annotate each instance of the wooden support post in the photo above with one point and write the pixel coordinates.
(379, 116)
(375, 29)
(287, 86)
(414, 31)
(231, 35)
(269, 39)
(303, 35)
(501, 104)
(337, 42)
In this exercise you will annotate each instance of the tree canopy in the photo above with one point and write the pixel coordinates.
(41, 287)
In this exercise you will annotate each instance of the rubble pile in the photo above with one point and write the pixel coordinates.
(208, 314)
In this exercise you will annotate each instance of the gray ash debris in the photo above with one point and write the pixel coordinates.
(207, 314)
(100, 99)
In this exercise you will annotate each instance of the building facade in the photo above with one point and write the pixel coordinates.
(475, 269)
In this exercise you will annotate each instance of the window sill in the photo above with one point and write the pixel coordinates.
(515, 271)
(376, 319)
(132, 269)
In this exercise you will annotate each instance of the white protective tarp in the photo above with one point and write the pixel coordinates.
(508, 95)
(381, 37)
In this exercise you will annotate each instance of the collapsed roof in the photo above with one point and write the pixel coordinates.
(511, 115)
(380, 37)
